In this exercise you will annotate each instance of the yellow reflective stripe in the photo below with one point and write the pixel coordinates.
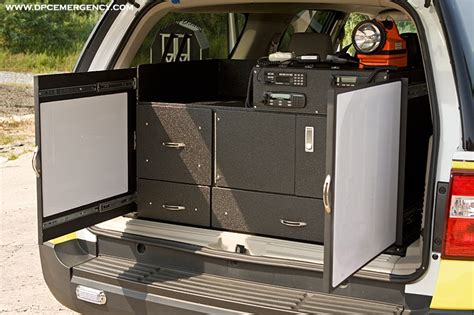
(466, 165)
(455, 285)
(63, 238)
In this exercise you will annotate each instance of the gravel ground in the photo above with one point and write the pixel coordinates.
(16, 100)
(8, 77)
(16, 121)
(22, 288)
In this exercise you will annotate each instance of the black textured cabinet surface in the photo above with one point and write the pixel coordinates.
(262, 213)
(255, 151)
(159, 124)
(310, 168)
(161, 201)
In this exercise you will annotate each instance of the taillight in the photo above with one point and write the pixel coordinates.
(459, 226)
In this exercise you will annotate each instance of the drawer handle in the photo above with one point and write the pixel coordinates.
(173, 145)
(292, 223)
(173, 208)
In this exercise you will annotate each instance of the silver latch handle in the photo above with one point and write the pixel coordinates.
(173, 207)
(309, 139)
(326, 202)
(174, 145)
(34, 162)
(292, 223)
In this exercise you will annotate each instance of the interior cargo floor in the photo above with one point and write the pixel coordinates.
(220, 291)
(257, 246)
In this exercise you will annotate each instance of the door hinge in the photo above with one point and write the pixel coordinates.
(90, 88)
(100, 208)
(79, 89)
(114, 204)
(116, 85)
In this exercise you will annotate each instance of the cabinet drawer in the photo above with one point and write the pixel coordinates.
(268, 214)
(179, 203)
(174, 143)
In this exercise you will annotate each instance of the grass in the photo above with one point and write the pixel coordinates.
(37, 62)
(16, 138)
(6, 139)
(13, 156)
(12, 124)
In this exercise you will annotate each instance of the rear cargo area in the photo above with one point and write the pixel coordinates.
(219, 166)
(204, 159)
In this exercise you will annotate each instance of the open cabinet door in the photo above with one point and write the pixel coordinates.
(85, 157)
(362, 186)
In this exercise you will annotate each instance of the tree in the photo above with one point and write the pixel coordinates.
(54, 32)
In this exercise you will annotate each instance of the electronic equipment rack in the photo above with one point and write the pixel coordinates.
(216, 150)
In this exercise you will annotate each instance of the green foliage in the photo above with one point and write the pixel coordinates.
(37, 62)
(43, 40)
(406, 27)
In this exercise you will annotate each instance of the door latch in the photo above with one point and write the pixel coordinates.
(309, 139)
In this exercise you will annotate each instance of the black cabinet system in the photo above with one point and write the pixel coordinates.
(253, 162)
(212, 153)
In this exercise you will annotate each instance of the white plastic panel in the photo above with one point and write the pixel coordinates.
(365, 176)
(84, 152)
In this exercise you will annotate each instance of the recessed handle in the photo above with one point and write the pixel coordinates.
(292, 223)
(173, 207)
(174, 145)
(326, 202)
(309, 139)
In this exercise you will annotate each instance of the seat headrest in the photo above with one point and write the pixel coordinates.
(311, 43)
(415, 58)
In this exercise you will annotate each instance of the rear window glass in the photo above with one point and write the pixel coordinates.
(463, 10)
(190, 36)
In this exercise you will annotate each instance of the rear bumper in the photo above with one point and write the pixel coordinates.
(141, 288)
(62, 283)
(133, 285)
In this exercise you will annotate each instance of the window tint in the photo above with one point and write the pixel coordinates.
(306, 21)
(188, 36)
(463, 10)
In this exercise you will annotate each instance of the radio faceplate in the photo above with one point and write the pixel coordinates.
(305, 90)
(281, 99)
(285, 78)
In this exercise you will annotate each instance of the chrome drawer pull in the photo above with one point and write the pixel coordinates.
(326, 201)
(173, 208)
(292, 223)
(173, 145)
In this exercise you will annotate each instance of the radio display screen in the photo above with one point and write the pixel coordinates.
(351, 80)
(282, 79)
